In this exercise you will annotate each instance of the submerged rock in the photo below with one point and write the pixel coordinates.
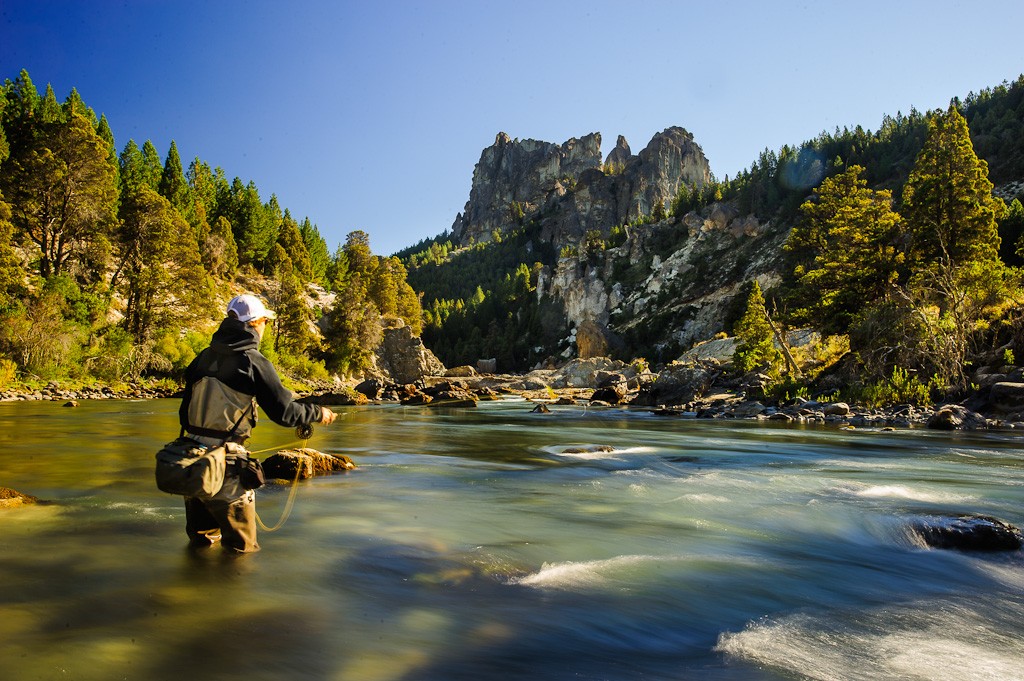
(969, 533)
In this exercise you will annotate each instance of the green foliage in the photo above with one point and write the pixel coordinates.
(947, 202)
(902, 387)
(848, 248)
(130, 237)
(159, 272)
(757, 343)
(60, 185)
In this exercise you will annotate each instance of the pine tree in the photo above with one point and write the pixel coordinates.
(947, 201)
(173, 186)
(219, 253)
(290, 239)
(316, 247)
(159, 273)
(49, 109)
(62, 194)
(294, 334)
(850, 247)
(152, 167)
(11, 274)
(754, 331)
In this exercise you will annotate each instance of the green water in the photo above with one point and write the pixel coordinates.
(498, 544)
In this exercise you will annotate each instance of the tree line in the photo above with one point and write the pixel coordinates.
(113, 263)
(915, 281)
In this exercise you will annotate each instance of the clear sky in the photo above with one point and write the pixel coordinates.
(371, 115)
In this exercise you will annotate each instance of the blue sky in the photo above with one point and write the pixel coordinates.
(372, 115)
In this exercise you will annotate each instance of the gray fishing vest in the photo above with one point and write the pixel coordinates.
(215, 408)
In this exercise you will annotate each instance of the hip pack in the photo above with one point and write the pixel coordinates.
(190, 469)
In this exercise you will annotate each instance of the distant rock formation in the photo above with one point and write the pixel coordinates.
(514, 176)
(565, 187)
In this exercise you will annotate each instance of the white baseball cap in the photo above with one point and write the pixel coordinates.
(248, 307)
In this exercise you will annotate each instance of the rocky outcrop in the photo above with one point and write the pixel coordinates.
(564, 186)
(404, 357)
(599, 201)
(618, 157)
(680, 383)
(515, 178)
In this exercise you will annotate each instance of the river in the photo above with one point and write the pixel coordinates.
(495, 543)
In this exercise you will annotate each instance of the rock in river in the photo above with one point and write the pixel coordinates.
(968, 533)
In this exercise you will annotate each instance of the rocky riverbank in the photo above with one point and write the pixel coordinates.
(698, 389)
(686, 390)
(55, 392)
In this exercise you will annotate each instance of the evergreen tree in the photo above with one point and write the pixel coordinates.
(947, 201)
(74, 105)
(10, 266)
(219, 253)
(290, 239)
(850, 247)
(173, 186)
(354, 325)
(754, 331)
(295, 318)
(316, 247)
(159, 274)
(49, 109)
(62, 194)
(105, 134)
(152, 166)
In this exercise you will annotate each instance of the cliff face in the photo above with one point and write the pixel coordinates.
(683, 296)
(567, 188)
(515, 175)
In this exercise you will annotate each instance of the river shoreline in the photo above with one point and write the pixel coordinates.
(450, 391)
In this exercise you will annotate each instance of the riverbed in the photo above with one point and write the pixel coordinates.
(497, 543)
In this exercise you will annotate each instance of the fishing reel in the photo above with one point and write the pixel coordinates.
(304, 432)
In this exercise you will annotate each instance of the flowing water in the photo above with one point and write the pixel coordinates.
(500, 544)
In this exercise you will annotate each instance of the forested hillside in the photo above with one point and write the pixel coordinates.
(848, 231)
(115, 263)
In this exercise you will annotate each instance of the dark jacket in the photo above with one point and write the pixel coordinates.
(234, 360)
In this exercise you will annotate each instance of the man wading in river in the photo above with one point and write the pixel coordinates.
(222, 387)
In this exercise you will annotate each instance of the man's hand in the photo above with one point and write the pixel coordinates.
(328, 416)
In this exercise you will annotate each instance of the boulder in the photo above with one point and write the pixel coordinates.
(612, 394)
(1006, 397)
(10, 498)
(679, 383)
(968, 533)
(956, 417)
(371, 388)
(487, 366)
(836, 409)
(404, 357)
(583, 373)
(304, 463)
(450, 392)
